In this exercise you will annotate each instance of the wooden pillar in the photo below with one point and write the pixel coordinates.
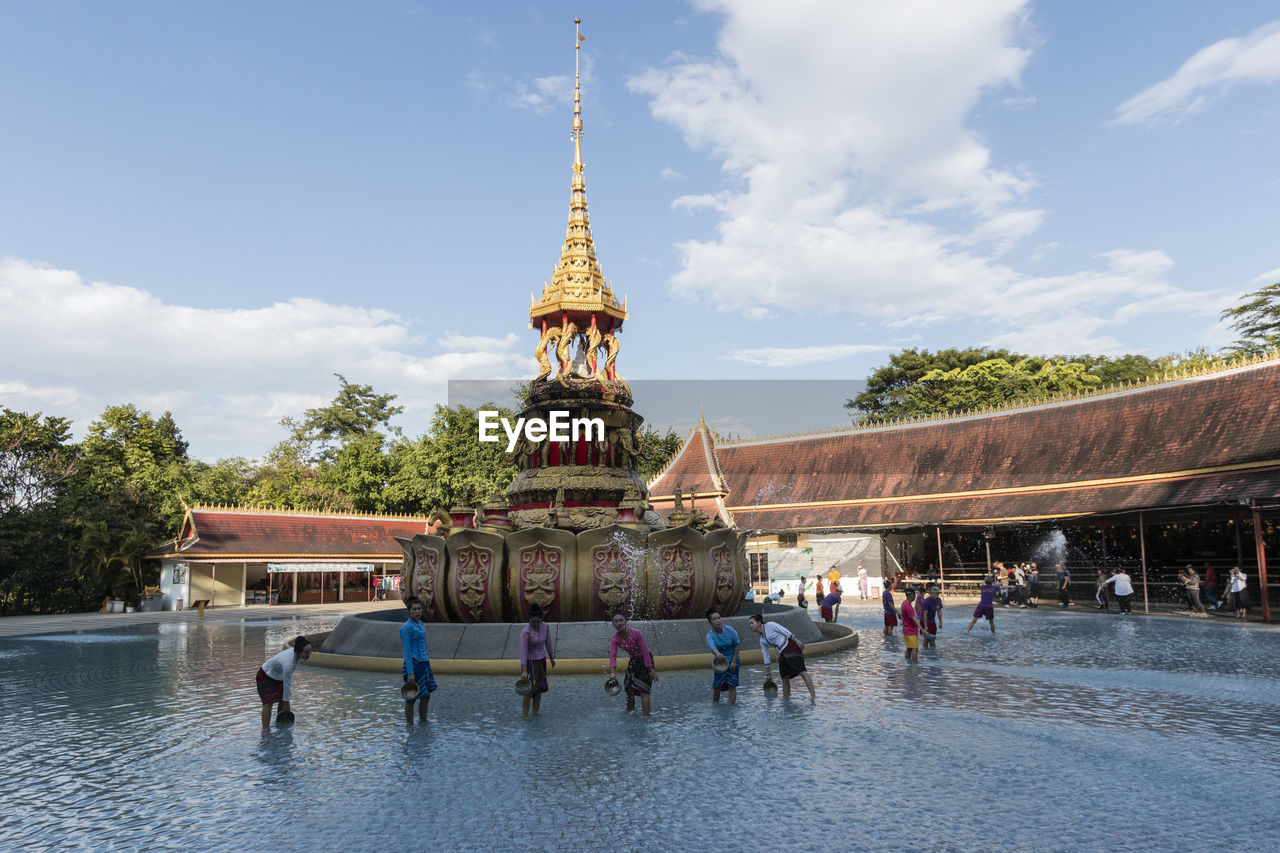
(1261, 545)
(342, 586)
(295, 586)
(270, 583)
(322, 587)
(1142, 544)
(939, 529)
(213, 583)
(244, 582)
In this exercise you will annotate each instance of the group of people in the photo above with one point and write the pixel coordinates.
(921, 616)
(537, 657)
(1235, 590)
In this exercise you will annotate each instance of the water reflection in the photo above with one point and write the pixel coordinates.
(151, 739)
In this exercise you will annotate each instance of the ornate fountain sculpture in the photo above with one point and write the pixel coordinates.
(574, 533)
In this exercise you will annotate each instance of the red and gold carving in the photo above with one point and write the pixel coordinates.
(425, 575)
(722, 569)
(609, 572)
(473, 580)
(675, 576)
(540, 569)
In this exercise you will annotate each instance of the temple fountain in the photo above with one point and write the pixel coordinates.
(574, 533)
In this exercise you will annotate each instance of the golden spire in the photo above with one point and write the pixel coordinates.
(578, 286)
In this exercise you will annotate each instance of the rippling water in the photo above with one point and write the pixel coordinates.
(1063, 732)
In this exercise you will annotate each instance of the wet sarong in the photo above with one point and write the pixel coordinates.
(538, 675)
(637, 678)
(269, 689)
(790, 660)
(421, 674)
(724, 680)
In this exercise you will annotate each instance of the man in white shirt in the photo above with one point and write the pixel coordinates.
(790, 654)
(1124, 589)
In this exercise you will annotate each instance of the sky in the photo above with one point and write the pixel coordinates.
(212, 208)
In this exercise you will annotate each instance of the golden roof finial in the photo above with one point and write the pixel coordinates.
(578, 289)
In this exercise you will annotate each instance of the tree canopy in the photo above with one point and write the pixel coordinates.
(1257, 321)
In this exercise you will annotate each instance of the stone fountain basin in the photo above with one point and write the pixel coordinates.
(371, 641)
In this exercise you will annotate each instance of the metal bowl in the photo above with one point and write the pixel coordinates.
(612, 687)
(409, 692)
(720, 664)
(770, 687)
(524, 686)
(284, 718)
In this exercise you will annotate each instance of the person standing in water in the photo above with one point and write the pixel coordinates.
(910, 627)
(932, 609)
(536, 651)
(640, 672)
(1123, 588)
(790, 654)
(724, 644)
(275, 679)
(862, 583)
(986, 608)
(890, 611)
(416, 666)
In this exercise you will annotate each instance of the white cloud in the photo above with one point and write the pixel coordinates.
(1268, 277)
(71, 347)
(847, 149)
(670, 174)
(1207, 76)
(794, 356)
(543, 94)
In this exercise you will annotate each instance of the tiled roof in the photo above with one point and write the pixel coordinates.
(695, 467)
(260, 535)
(1201, 440)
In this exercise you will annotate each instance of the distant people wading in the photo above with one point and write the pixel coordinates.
(986, 608)
(275, 679)
(931, 607)
(640, 672)
(801, 601)
(1100, 594)
(1123, 588)
(830, 605)
(911, 626)
(1064, 585)
(862, 583)
(890, 611)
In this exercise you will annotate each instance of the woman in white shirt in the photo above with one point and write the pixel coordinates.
(275, 679)
(1238, 586)
(1123, 587)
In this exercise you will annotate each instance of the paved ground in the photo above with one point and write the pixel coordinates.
(21, 626)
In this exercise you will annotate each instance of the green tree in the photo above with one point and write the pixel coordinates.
(36, 458)
(656, 450)
(354, 412)
(1257, 321)
(888, 386)
(991, 383)
(128, 452)
(449, 463)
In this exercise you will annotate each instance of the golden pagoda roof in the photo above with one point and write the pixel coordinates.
(577, 284)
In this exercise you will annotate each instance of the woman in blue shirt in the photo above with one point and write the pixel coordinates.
(417, 665)
(724, 644)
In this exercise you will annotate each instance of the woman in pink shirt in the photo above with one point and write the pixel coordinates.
(640, 673)
(535, 651)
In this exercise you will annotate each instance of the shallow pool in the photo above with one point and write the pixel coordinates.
(1063, 732)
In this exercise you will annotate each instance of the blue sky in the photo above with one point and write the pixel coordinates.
(211, 208)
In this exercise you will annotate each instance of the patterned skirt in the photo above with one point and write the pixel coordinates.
(637, 680)
(725, 680)
(538, 675)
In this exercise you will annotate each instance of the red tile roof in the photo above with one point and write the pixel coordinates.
(261, 535)
(694, 468)
(1201, 440)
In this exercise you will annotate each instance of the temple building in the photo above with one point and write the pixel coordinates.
(236, 556)
(1200, 448)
